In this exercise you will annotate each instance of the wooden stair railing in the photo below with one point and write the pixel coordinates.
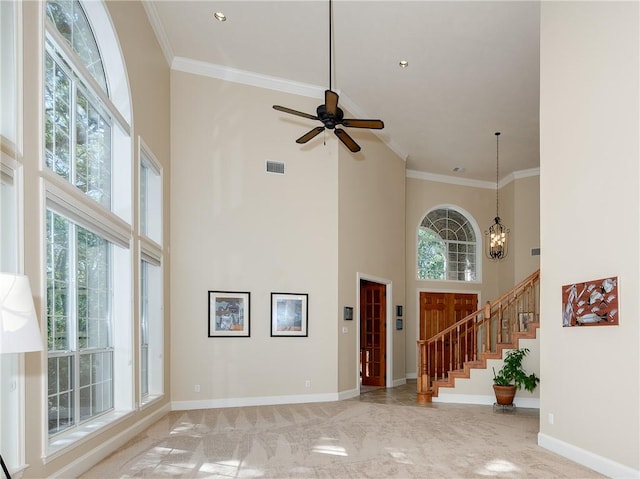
(480, 336)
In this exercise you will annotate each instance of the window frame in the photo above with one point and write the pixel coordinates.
(477, 249)
(113, 224)
(151, 280)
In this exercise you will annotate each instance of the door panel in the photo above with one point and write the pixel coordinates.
(438, 311)
(373, 334)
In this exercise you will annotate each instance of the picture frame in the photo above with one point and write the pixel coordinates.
(289, 314)
(229, 314)
(591, 303)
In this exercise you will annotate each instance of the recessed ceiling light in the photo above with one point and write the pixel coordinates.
(221, 17)
(403, 63)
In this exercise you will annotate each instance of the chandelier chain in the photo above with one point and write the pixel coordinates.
(497, 177)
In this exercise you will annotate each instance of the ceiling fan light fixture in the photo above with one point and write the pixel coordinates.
(221, 17)
(329, 113)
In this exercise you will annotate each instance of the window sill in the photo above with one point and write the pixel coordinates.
(68, 441)
(149, 400)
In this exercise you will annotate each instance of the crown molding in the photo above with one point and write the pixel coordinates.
(158, 29)
(454, 180)
(244, 77)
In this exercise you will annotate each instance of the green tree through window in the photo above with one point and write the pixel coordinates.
(447, 247)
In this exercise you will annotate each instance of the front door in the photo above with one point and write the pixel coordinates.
(373, 333)
(438, 311)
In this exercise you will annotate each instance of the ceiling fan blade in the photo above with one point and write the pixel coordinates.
(373, 124)
(331, 102)
(347, 140)
(312, 134)
(295, 112)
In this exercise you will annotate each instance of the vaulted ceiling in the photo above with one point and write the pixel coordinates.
(473, 69)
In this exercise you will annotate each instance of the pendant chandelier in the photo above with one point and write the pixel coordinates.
(497, 237)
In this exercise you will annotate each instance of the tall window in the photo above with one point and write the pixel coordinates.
(151, 312)
(88, 233)
(447, 247)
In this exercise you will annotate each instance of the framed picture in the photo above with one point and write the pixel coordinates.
(591, 303)
(289, 314)
(229, 314)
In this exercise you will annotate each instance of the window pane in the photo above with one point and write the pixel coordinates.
(93, 152)
(150, 200)
(93, 290)
(70, 20)
(60, 398)
(58, 279)
(449, 231)
(57, 98)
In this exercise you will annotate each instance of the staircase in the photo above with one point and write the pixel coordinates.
(483, 335)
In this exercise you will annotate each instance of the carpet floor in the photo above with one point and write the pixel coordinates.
(382, 434)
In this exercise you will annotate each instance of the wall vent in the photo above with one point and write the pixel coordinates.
(535, 251)
(275, 167)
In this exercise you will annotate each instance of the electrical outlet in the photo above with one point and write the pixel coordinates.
(197, 388)
(550, 418)
(307, 383)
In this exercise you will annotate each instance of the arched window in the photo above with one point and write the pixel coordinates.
(88, 236)
(447, 246)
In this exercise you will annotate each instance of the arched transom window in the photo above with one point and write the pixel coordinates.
(447, 247)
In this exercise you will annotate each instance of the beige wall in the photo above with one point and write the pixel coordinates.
(590, 132)
(371, 245)
(519, 198)
(238, 228)
(149, 89)
(526, 226)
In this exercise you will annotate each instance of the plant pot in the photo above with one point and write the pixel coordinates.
(504, 394)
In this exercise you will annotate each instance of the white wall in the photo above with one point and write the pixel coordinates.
(590, 133)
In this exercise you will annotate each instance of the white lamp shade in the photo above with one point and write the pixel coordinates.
(19, 330)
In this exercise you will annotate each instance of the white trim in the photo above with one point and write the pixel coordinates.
(70, 202)
(586, 458)
(158, 29)
(150, 251)
(244, 77)
(454, 180)
(252, 401)
(389, 329)
(399, 382)
(348, 394)
(108, 447)
(484, 400)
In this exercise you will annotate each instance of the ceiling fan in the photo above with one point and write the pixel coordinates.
(330, 114)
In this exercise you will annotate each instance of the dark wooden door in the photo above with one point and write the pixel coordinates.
(438, 311)
(373, 333)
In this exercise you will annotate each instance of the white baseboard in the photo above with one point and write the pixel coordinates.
(252, 401)
(91, 458)
(533, 403)
(351, 393)
(399, 382)
(588, 459)
(411, 375)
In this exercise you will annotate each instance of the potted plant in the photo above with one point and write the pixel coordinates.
(513, 377)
